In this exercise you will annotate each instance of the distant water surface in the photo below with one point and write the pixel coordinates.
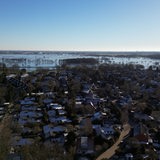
(33, 60)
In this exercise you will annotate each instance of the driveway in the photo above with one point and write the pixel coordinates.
(111, 151)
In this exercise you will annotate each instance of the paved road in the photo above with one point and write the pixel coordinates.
(111, 151)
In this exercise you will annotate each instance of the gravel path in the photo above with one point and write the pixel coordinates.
(111, 151)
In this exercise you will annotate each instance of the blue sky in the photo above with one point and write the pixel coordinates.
(90, 25)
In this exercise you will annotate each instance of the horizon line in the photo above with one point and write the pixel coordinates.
(78, 50)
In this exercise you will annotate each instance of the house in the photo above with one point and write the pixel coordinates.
(11, 76)
(139, 129)
(55, 106)
(97, 129)
(98, 115)
(51, 113)
(25, 141)
(27, 102)
(19, 141)
(92, 100)
(86, 88)
(143, 139)
(140, 132)
(28, 108)
(50, 130)
(47, 101)
(142, 116)
(24, 76)
(30, 99)
(85, 146)
(50, 94)
(35, 94)
(78, 104)
(30, 114)
(25, 120)
(61, 112)
(125, 100)
(59, 120)
(107, 131)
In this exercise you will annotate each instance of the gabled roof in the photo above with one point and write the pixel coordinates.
(142, 138)
(51, 128)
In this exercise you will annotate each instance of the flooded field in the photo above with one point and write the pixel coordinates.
(33, 60)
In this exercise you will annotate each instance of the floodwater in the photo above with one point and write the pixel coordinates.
(33, 60)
